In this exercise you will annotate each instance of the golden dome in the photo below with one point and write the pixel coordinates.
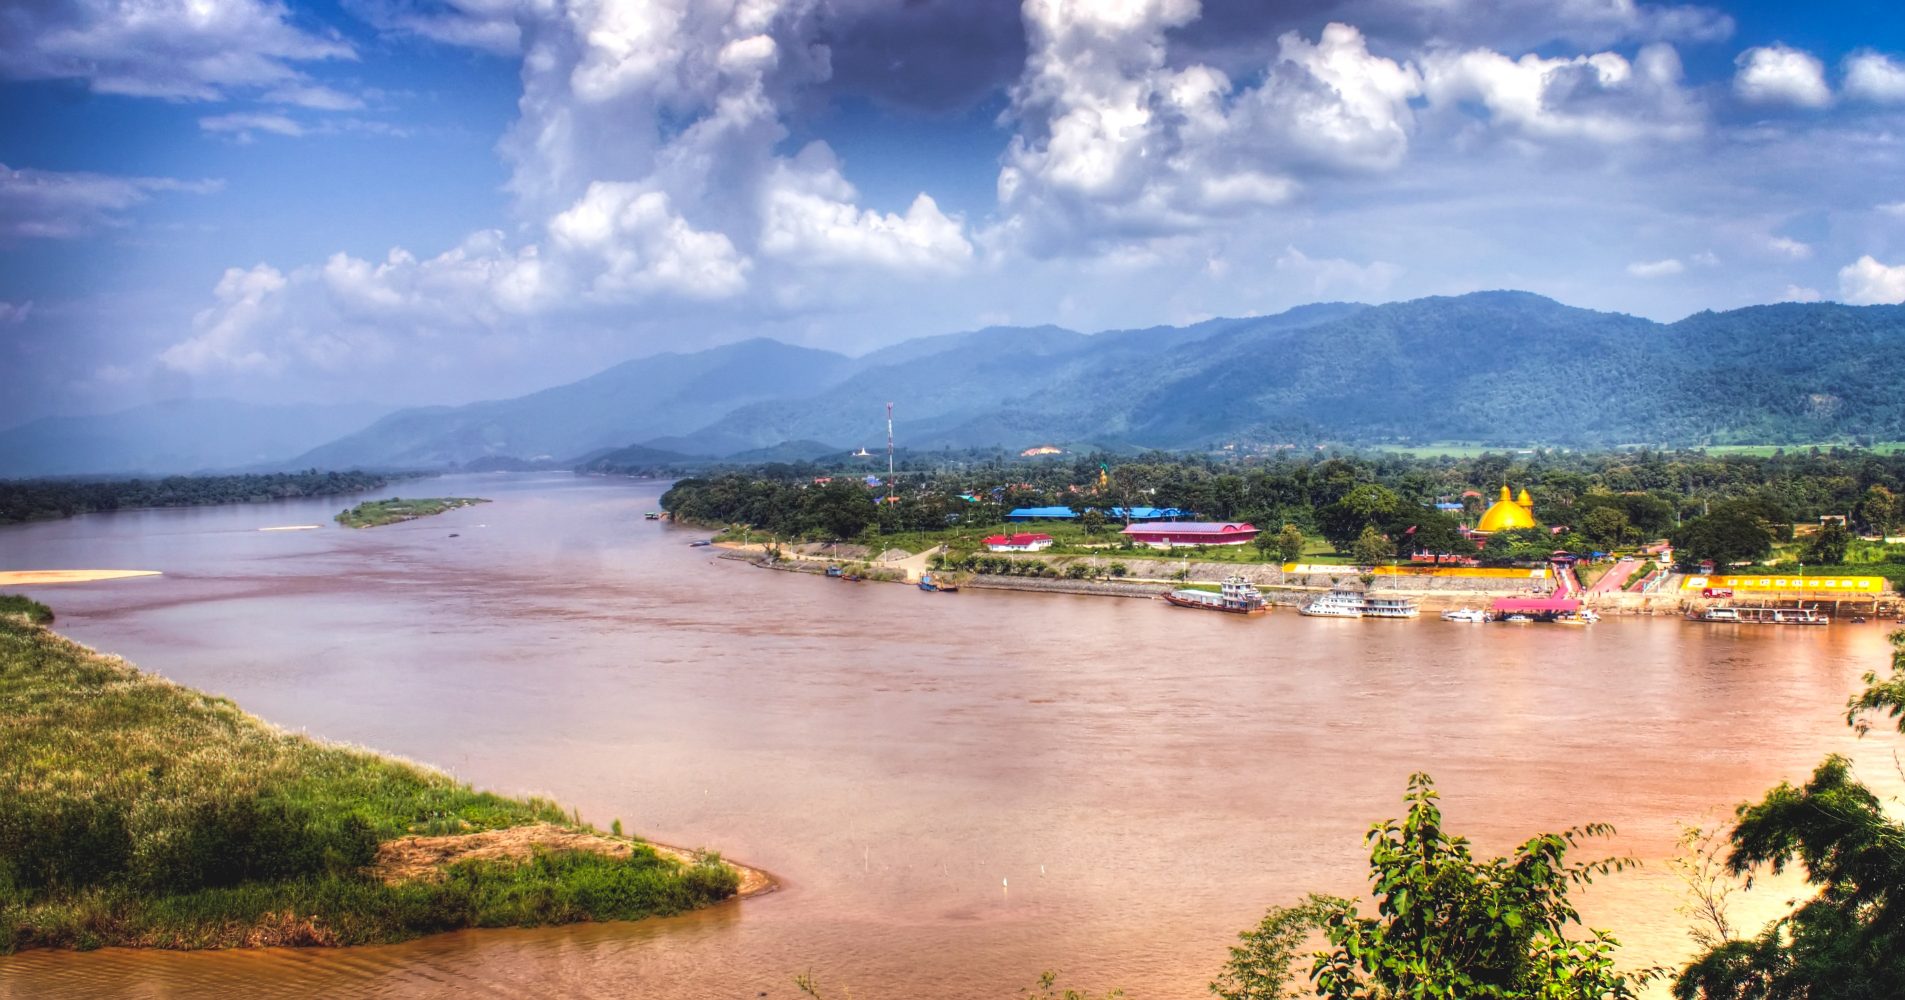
(1509, 513)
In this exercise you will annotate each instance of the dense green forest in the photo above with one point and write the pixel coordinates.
(1725, 507)
(47, 499)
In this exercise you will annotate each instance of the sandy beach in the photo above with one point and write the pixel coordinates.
(45, 577)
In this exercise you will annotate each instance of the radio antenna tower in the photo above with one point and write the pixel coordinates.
(891, 493)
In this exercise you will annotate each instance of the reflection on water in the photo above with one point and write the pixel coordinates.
(1147, 779)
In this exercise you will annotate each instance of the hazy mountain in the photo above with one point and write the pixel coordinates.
(186, 435)
(1501, 368)
(635, 401)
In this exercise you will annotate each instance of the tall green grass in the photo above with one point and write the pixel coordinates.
(136, 811)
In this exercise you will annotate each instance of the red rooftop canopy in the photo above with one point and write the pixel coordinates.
(1535, 605)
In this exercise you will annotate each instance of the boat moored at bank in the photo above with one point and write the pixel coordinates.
(1237, 596)
(1356, 604)
(1731, 615)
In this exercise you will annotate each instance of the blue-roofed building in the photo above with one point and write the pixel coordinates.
(1449, 506)
(1041, 514)
(1114, 513)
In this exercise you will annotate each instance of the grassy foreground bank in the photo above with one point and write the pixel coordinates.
(375, 513)
(137, 812)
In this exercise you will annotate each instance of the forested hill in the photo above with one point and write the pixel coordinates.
(1490, 368)
(1497, 368)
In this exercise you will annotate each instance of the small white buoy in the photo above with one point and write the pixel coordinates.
(1003, 884)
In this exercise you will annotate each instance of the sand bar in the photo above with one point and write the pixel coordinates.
(42, 577)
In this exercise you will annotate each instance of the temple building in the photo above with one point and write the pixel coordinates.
(1508, 514)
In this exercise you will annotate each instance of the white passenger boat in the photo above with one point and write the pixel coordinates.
(1335, 604)
(1761, 616)
(1353, 604)
(1465, 615)
(1390, 607)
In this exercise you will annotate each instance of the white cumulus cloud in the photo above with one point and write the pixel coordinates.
(1115, 142)
(809, 216)
(1875, 77)
(1776, 74)
(1867, 282)
(647, 166)
(1600, 97)
(638, 244)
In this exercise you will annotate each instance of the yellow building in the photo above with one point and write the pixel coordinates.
(1508, 513)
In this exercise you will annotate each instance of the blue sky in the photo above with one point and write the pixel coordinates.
(433, 201)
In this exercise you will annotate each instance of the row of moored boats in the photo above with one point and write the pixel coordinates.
(1239, 596)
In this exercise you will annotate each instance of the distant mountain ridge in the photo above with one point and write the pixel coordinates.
(175, 436)
(636, 400)
(1492, 368)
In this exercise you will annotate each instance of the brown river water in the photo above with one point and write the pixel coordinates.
(956, 791)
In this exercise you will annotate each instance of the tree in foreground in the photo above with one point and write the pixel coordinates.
(1848, 941)
(1447, 924)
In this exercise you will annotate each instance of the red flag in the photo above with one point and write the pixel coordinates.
(1411, 531)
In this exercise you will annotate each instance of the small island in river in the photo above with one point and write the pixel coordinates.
(147, 814)
(373, 513)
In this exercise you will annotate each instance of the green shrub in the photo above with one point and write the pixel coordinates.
(18, 604)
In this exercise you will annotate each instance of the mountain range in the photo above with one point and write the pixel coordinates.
(1488, 368)
(175, 436)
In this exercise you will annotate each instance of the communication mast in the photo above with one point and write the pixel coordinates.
(892, 494)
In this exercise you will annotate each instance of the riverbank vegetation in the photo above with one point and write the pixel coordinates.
(137, 812)
(1725, 508)
(376, 513)
(50, 499)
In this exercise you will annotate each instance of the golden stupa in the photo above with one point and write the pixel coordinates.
(1509, 513)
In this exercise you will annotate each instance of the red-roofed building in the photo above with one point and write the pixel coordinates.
(1018, 543)
(1168, 534)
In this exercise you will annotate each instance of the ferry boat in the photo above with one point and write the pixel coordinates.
(1390, 607)
(1335, 604)
(1238, 597)
(833, 571)
(1585, 616)
(1760, 616)
(653, 515)
(926, 583)
(1352, 604)
(1465, 615)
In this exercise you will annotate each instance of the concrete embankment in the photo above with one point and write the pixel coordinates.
(1094, 588)
(1279, 587)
